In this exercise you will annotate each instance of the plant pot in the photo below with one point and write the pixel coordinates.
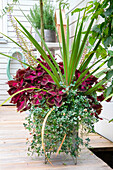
(49, 36)
(56, 137)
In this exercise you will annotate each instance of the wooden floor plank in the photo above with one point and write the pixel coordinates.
(13, 148)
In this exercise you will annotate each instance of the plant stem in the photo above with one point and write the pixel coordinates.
(42, 20)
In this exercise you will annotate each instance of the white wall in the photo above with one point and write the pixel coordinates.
(8, 48)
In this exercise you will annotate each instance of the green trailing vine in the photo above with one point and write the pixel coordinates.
(66, 119)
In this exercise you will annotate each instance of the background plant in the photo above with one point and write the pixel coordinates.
(48, 16)
(103, 12)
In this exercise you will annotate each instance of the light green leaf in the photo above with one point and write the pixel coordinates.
(111, 121)
(20, 92)
(18, 60)
(110, 62)
(108, 91)
(107, 41)
(108, 97)
(109, 74)
(110, 52)
(94, 88)
(77, 10)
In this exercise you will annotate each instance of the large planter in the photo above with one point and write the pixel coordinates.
(54, 134)
(49, 36)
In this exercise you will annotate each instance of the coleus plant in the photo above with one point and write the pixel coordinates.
(47, 91)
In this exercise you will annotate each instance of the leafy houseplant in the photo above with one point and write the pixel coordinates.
(48, 19)
(63, 95)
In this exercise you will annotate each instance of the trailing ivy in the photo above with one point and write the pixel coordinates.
(75, 111)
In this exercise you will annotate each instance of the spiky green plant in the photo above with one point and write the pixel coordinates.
(70, 61)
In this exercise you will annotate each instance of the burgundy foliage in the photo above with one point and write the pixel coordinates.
(50, 95)
(27, 78)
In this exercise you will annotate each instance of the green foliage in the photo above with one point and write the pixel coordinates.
(104, 10)
(109, 74)
(64, 3)
(111, 121)
(48, 14)
(110, 62)
(108, 91)
(101, 52)
(67, 119)
(100, 10)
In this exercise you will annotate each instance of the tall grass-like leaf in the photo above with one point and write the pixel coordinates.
(53, 77)
(79, 81)
(108, 97)
(85, 64)
(84, 40)
(18, 60)
(42, 133)
(20, 92)
(45, 45)
(101, 73)
(75, 32)
(39, 48)
(48, 71)
(52, 58)
(67, 38)
(58, 39)
(94, 88)
(65, 57)
(14, 42)
(74, 55)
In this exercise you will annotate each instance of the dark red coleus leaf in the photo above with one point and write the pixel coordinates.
(21, 104)
(77, 74)
(16, 98)
(35, 101)
(52, 92)
(58, 104)
(27, 107)
(12, 90)
(12, 83)
(100, 98)
(108, 100)
(27, 85)
(58, 98)
(97, 106)
(82, 88)
(21, 72)
(50, 101)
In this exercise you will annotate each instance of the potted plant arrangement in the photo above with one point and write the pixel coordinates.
(48, 21)
(61, 96)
